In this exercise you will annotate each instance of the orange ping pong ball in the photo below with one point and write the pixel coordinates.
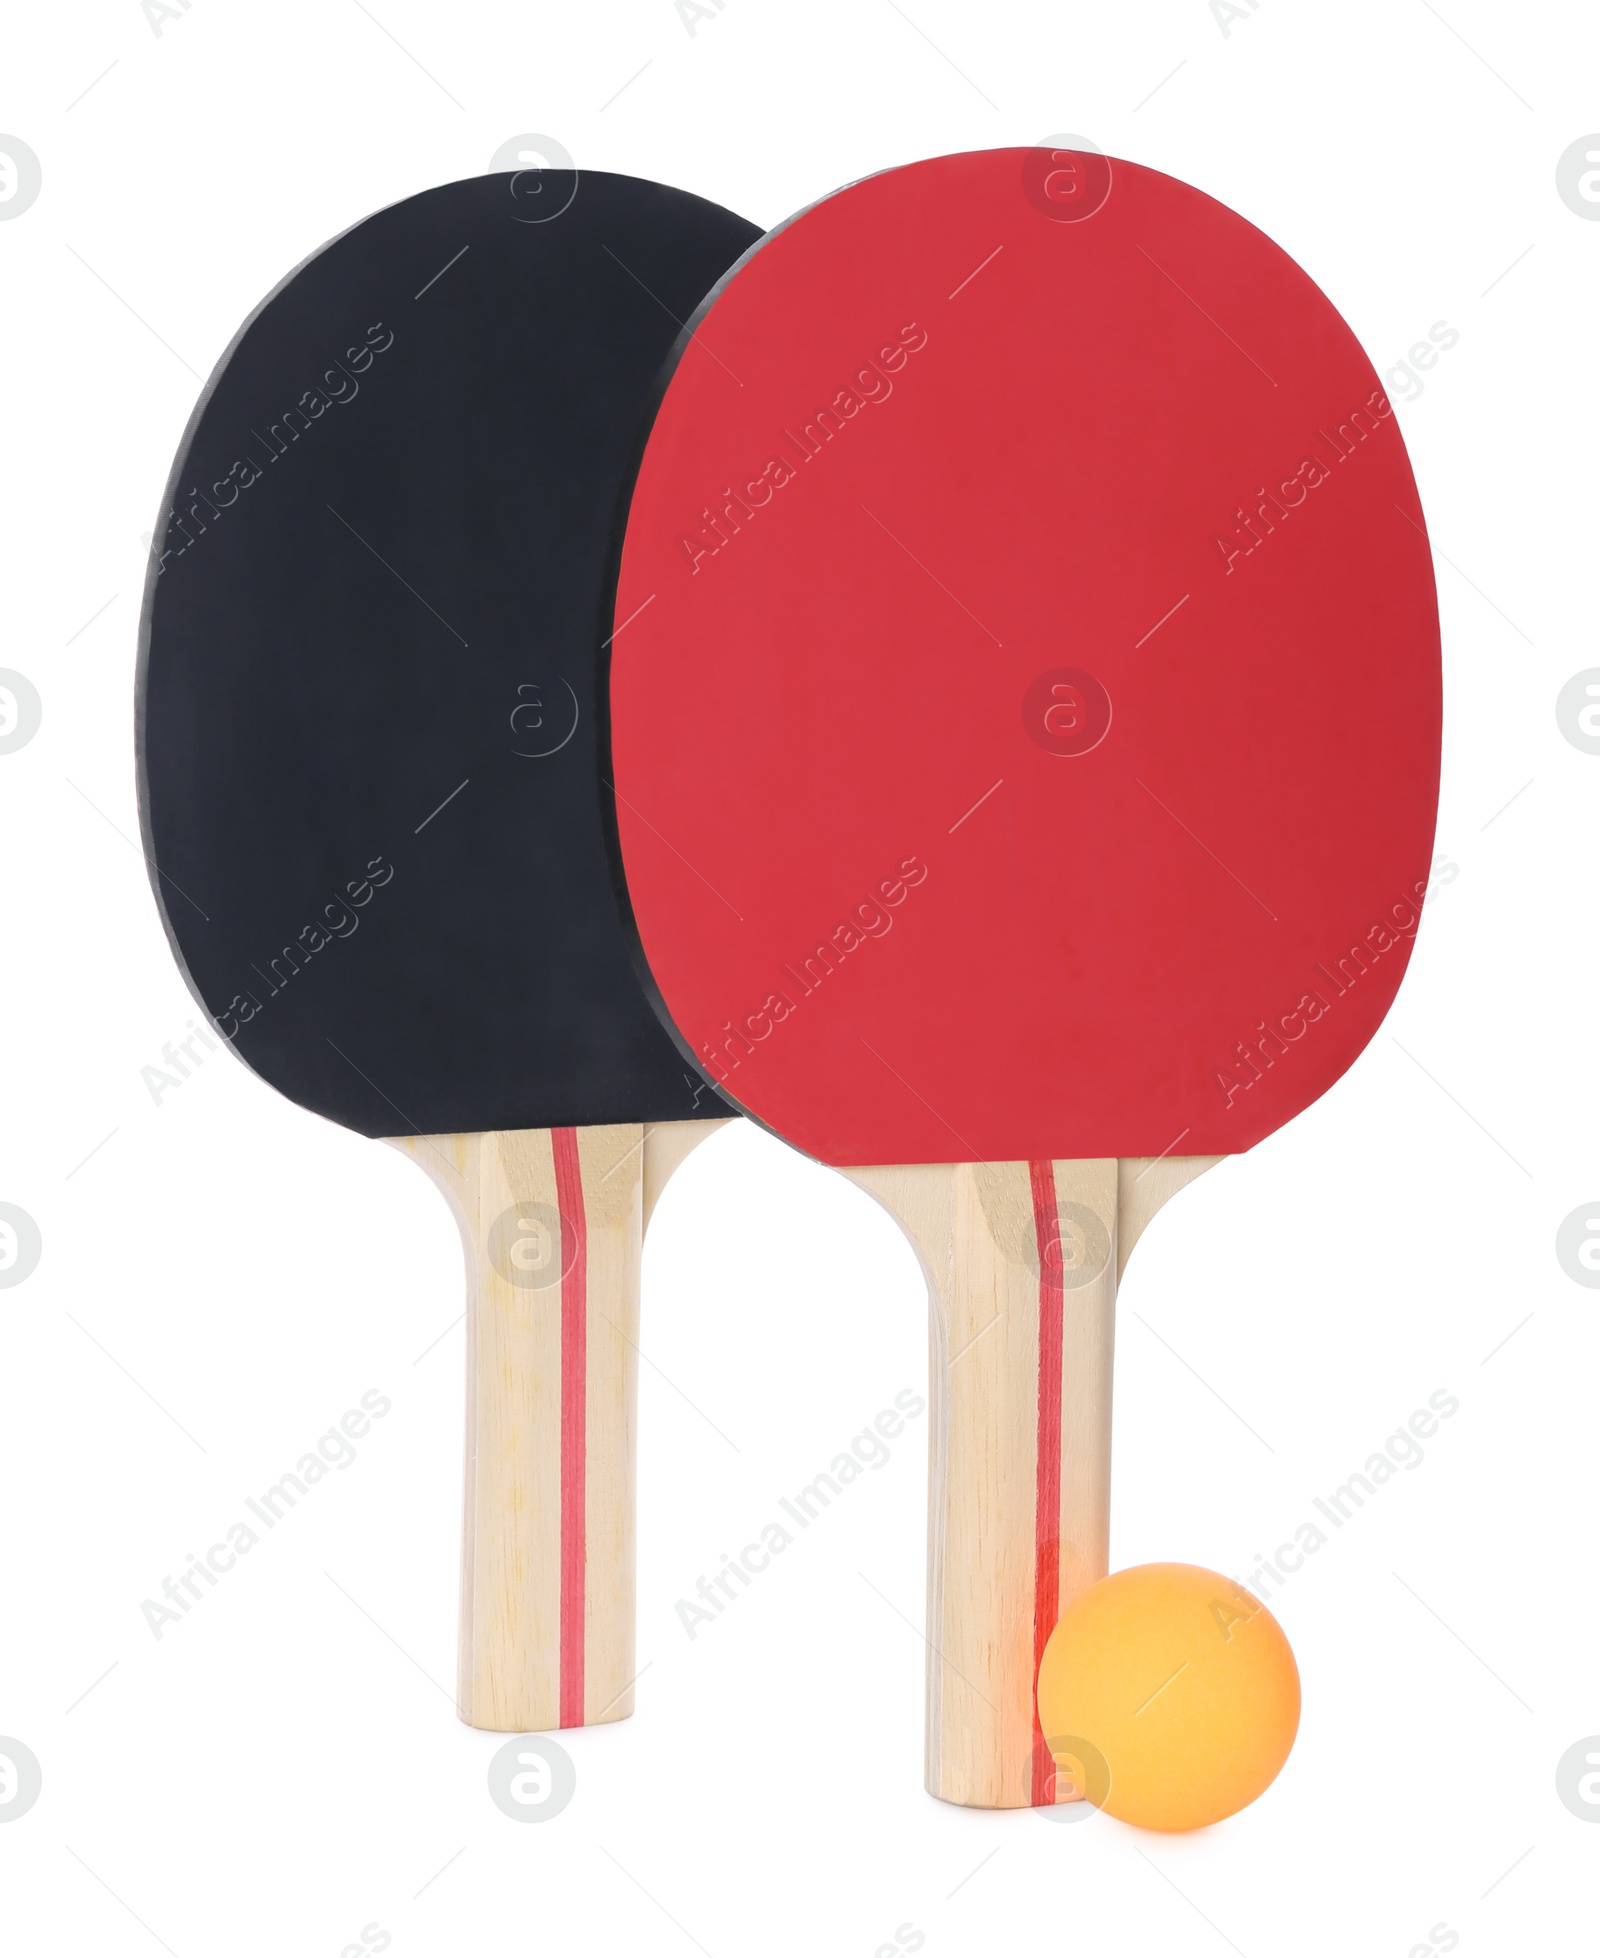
(1172, 1692)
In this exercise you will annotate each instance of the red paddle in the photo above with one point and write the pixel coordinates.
(1026, 743)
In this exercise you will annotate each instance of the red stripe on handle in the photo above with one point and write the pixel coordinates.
(574, 1416)
(1047, 1482)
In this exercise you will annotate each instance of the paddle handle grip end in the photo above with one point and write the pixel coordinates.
(551, 1224)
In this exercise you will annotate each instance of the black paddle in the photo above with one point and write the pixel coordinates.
(370, 802)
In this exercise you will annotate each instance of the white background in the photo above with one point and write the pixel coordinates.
(225, 1275)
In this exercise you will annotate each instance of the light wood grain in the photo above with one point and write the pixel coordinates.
(1019, 1461)
(519, 1243)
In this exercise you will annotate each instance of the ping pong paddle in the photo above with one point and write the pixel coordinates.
(367, 729)
(1026, 755)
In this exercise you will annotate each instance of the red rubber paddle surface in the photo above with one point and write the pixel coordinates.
(1025, 693)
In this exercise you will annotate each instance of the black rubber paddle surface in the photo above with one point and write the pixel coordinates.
(366, 700)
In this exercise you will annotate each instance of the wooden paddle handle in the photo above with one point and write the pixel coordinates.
(552, 1225)
(1022, 1262)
